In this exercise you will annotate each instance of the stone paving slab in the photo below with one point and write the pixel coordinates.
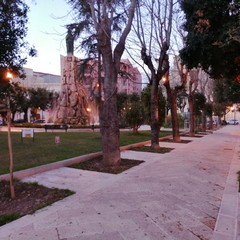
(227, 222)
(173, 196)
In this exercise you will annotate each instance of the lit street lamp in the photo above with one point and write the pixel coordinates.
(9, 76)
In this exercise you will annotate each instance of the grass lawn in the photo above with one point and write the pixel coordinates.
(43, 150)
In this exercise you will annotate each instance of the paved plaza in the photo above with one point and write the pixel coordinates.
(187, 194)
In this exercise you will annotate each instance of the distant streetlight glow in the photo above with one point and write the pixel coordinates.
(9, 76)
(164, 79)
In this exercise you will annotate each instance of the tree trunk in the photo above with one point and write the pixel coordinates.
(192, 117)
(211, 123)
(172, 97)
(135, 130)
(219, 121)
(204, 122)
(163, 67)
(103, 22)
(155, 127)
(175, 123)
(13, 116)
(108, 117)
(25, 115)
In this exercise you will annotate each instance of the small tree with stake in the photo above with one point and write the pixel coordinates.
(5, 76)
(134, 112)
(13, 30)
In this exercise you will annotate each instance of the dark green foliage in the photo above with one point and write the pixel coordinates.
(122, 99)
(212, 40)
(226, 91)
(219, 109)
(21, 99)
(234, 92)
(208, 109)
(4, 82)
(40, 98)
(135, 115)
(130, 110)
(199, 102)
(83, 28)
(181, 99)
(13, 30)
(168, 121)
(145, 97)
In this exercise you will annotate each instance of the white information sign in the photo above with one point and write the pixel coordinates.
(27, 133)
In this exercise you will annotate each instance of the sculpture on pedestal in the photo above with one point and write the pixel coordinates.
(71, 106)
(70, 43)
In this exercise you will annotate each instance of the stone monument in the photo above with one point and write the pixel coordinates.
(71, 106)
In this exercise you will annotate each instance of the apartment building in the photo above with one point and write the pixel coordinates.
(86, 81)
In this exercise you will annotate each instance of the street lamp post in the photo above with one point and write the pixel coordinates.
(10, 154)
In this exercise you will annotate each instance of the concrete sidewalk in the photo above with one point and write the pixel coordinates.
(187, 194)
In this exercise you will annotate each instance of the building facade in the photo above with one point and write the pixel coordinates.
(78, 85)
(34, 79)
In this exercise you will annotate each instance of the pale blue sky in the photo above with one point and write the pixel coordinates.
(46, 32)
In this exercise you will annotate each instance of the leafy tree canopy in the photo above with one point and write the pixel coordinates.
(226, 91)
(208, 109)
(212, 40)
(135, 115)
(146, 99)
(83, 28)
(14, 49)
(199, 103)
(40, 98)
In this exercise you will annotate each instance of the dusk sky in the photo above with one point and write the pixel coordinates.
(46, 32)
